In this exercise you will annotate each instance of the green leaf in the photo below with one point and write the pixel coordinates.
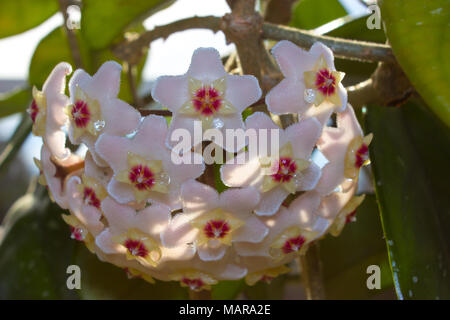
(227, 290)
(410, 153)
(220, 186)
(35, 251)
(54, 48)
(103, 21)
(51, 50)
(310, 14)
(20, 15)
(101, 280)
(346, 258)
(422, 27)
(357, 30)
(14, 101)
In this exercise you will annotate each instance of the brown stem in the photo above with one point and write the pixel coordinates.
(209, 175)
(146, 112)
(145, 100)
(311, 273)
(231, 62)
(286, 120)
(349, 49)
(243, 27)
(66, 168)
(71, 35)
(131, 74)
(132, 50)
(388, 86)
(279, 11)
(361, 93)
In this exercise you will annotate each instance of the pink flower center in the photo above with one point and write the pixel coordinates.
(207, 100)
(286, 170)
(362, 154)
(193, 284)
(34, 110)
(216, 229)
(325, 82)
(90, 197)
(293, 244)
(80, 113)
(142, 177)
(350, 217)
(266, 279)
(136, 248)
(77, 233)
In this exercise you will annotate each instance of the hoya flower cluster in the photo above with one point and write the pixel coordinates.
(134, 207)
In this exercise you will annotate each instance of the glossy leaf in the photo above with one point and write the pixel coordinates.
(357, 30)
(51, 50)
(101, 280)
(38, 245)
(20, 15)
(17, 100)
(104, 21)
(35, 251)
(220, 186)
(422, 27)
(346, 258)
(54, 48)
(410, 156)
(310, 14)
(344, 263)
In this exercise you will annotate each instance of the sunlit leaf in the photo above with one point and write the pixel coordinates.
(357, 30)
(51, 50)
(410, 156)
(310, 14)
(17, 16)
(54, 48)
(104, 21)
(419, 33)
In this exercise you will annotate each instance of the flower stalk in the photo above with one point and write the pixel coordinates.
(311, 273)
(71, 35)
